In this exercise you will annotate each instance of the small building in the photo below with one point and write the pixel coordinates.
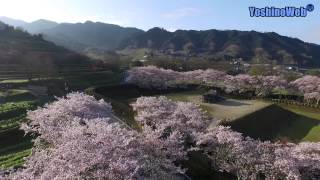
(212, 97)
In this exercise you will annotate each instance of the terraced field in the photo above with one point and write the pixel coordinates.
(14, 146)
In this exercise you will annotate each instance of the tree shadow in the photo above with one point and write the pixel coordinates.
(199, 167)
(274, 122)
(231, 102)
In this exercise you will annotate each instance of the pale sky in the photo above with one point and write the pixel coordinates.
(170, 14)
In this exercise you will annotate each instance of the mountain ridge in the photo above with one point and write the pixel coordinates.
(251, 46)
(21, 48)
(78, 36)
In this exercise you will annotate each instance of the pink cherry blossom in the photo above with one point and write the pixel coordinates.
(79, 139)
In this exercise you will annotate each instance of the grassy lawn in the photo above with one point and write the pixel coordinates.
(228, 110)
(306, 113)
(86, 80)
(260, 119)
(280, 122)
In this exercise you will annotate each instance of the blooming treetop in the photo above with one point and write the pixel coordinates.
(153, 77)
(309, 86)
(164, 117)
(78, 139)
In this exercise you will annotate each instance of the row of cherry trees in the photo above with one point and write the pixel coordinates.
(153, 77)
(79, 138)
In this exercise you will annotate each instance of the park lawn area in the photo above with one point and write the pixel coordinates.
(260, 119)
(280, 122)
(121, 96)
(228, 110)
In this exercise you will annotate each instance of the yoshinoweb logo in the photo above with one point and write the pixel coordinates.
(281, 12)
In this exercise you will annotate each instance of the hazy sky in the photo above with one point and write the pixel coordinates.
(170, 14)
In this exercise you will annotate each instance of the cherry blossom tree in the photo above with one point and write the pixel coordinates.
(53, 119)
(266, 84)
(210, 77)
(79, 139)
(309, 86)
(163, 117)
(252, 159)
(312, 97)
(153, 77)
(240, 83)
(101, 150)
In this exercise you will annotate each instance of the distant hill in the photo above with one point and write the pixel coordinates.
(251, 46)
(79, 36)
(12, 22)
(19, 47)
(39, 26)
